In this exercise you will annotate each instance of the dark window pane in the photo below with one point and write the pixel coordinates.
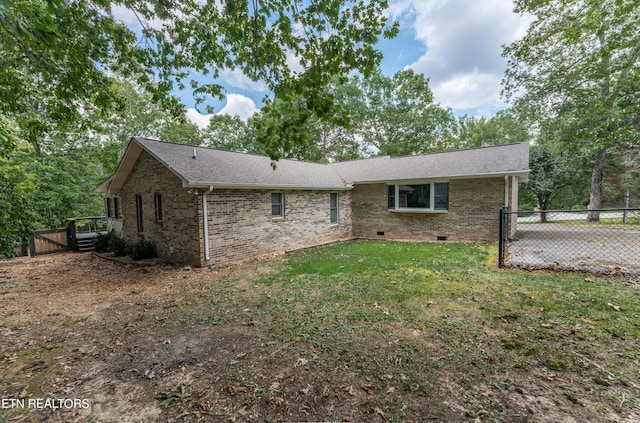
(158, 198)
(414, 196)
(441, 197)
(333, 207)
(391, 195)
(139, 213)
(117, 207)
(109, 207)
(276, 204)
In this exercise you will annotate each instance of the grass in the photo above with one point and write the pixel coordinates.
(360, 331)
(431, 307)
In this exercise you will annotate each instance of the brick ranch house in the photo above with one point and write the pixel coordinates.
(209, 207)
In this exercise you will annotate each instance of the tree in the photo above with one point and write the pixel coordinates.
(376, 115)
(579, 58)
(59, 59)
(397, 115)
(503, 128)
(553, 170)
(231, 133)
(325, 38)
(66, 51)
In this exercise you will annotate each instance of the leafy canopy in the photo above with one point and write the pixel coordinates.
(578, 62)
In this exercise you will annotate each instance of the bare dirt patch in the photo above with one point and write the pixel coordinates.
(144, 342)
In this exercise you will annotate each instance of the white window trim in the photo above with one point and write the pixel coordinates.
(281, 216)
(432, 193)
(337, 222)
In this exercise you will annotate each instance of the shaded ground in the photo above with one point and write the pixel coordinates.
(576, 248)
(148, 342)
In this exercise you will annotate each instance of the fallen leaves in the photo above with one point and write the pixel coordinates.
(613, 306)
(170, 396)
(589, 321)
(234, 390)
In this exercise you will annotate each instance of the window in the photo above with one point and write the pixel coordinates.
(109, 206)
(117, 206)
(441, 196)
(114, 207)
(392, 197)
(333, 207)
(418, 197)
(139, 213)
(277, 204)
(158, 203)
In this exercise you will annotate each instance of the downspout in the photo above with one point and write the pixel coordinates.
(506, 190)
(205, 220)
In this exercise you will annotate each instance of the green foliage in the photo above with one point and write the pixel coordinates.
(231, 133)
(142, 249)
(372, 115)
(396, 115)
(111, 242)
(554, 172)
(118, 246)
(16, 218)
(578, 64)
(503, 128)
(138, 250)
(102, 241)
(61, 64)
(57, 60)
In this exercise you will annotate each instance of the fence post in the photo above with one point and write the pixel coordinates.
(72, 241)
(503, 235)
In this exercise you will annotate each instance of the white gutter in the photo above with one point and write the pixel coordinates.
(224, 185)
(518, 173)
(205, 223)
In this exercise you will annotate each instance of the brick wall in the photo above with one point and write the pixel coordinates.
(473, 213)
(240, 223)
(178, 237)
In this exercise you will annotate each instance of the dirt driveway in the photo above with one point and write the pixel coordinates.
(83, 336)
(576, 248)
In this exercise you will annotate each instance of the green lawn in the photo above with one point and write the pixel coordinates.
(450, 326)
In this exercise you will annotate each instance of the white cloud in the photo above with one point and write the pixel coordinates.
(472, 90)
(133, 21)
(237, 104)
(463, 41)
(200, 120)
(237, 79)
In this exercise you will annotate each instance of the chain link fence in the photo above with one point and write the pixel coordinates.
(565, 240)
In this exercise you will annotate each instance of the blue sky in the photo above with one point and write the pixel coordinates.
(457, 44)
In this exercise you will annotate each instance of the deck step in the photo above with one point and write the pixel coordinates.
(86, 244)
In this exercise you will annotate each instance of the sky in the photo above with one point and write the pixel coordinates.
(457, 44)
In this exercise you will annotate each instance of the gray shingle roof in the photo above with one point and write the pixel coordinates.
(229, 169)
(484, 161)
(226, 168)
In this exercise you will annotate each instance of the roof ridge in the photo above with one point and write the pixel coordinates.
(227, 151)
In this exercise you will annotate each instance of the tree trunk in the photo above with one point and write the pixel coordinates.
(543, 203)
(595, 197)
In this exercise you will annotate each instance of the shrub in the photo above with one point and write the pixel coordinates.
(118, 246)
(112, 243)
(142, 249)
(103, 242)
